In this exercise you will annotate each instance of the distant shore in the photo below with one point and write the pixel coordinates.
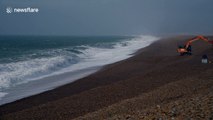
(136, 81)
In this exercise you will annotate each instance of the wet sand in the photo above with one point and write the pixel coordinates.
(152, 70)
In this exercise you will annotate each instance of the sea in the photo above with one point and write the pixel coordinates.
(33, 64)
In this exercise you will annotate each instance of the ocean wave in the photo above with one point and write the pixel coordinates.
(57, 61)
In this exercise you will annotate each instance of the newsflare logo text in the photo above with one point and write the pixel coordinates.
(10, 10)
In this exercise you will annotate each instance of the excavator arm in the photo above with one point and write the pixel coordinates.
(196, 39)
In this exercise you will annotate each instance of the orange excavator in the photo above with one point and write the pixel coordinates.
(186, 49)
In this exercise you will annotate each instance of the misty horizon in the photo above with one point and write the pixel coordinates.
(108, 18)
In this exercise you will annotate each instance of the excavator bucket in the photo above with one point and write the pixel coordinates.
(182, 50)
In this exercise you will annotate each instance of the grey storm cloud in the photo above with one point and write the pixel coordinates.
(107, 17)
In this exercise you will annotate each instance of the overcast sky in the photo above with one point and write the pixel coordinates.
(107, 17)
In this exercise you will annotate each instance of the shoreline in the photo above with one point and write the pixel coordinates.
(38, 86)
(53, 86)
(146, 71)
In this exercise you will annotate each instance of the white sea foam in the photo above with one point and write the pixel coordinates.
(20, 72)
(13, 74)
(2, 94)
(102, 56)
